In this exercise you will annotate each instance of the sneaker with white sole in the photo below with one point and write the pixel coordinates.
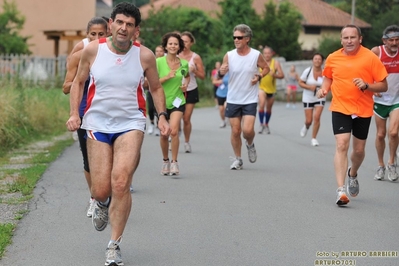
(157, 133)
(100, 217)
(90, 209)
(113, 255)
(187, 147)
(174, 168)
(165, 167)
(251, 152)
(303, 131)
(352, 184)
(380, 175)
(150, 129)
(223, 124)
(314, 142)
(261, 129)
(342, 198)
(237, 164)
(392, 174)
(267, 129)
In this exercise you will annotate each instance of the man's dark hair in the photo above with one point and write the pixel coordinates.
(176, 35)
(127, 9)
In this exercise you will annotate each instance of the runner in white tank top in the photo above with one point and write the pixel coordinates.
(116, 111)
(242, 64)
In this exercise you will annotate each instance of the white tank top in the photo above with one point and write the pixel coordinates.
(85, 42)
(242, 70)
(193, 81)
(115, 97)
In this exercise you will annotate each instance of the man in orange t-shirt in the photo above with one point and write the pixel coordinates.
(353, 74)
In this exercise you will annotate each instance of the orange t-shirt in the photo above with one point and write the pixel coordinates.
(342, 69)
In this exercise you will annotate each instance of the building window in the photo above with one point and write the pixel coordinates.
(312, 30)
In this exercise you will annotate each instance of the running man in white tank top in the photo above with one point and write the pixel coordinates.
(386, 104)
(242, 64)
(115, 118)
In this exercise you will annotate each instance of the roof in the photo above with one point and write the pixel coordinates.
(315, 12)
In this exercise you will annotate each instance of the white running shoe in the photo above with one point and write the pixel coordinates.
(380, 175)
(156, 130)
(303, 131)
(342, 198)
(237, 164)
(90, 209)
(251, 152)
(174, 168)
(314, 142)
(287, 105)
(392, 174)
(223, 124)
(150, 129)
(187, 147)
(165, 168)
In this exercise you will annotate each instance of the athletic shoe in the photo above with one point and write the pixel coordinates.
(150, 129)
(187, 147)
(90, 209)
(165, 168)
(303, 131)
(342, 198)
(157, 133)
(261, 129)
(380, 175)
(174, 168)
(100, 217)
(314, 142)
(287, 105)
(237, 164)
(293, 106)
(251, 152)
(352, 185)
(392, 174)
(131, 188)
(223, 124)
(267, 129)
(113, 255)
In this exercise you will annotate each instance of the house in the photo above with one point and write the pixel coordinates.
(55, 26)
(319, 18)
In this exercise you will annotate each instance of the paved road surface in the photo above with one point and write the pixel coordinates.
(278, 211)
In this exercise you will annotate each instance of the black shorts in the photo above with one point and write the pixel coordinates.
(221, 100)
(83, 148)
(192, 96)
(239, 110)
(181, 108)
(312, 105)
(270, 95)
(359, 126)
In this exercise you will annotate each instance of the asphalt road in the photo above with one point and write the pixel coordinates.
(278, 211)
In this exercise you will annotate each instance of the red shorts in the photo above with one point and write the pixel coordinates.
(292, 87)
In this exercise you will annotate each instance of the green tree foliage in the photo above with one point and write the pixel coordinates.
(11, 22)
(207, 31)
(279, 28)
(236, 12)
(328, 45)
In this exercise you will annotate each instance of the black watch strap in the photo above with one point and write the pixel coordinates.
(164, 114)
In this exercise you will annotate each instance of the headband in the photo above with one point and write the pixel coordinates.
(390, 35)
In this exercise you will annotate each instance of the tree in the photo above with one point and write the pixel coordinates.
(137, 3)
(207, 31)
(236, 12)
(279, 28)
(11, 22)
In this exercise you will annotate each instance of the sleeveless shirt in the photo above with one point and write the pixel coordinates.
(115, 98)
(391, 63)
(193, 81)
(242, 70)
(268, 82)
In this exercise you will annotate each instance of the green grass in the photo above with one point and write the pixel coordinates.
(6, 232)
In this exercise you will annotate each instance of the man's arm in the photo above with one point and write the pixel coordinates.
(77, 87)
(150, 69)
(280, 72)
(376, 50)
(72, 68)
(263, 65)
(325, 88)
(224, 68)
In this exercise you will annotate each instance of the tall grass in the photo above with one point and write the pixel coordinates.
(30, 113)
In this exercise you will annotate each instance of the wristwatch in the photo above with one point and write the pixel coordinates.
(164, 114)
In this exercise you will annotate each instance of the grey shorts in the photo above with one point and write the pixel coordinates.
(239, 110)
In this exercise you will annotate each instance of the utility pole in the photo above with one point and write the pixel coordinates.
(353, 12)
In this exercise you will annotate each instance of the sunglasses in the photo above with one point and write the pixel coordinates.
(239, 37)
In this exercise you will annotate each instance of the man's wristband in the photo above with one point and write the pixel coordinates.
(164, 114)
(367, 86)
(259, 77)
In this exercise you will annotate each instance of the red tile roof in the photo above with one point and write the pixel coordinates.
(315, 12)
